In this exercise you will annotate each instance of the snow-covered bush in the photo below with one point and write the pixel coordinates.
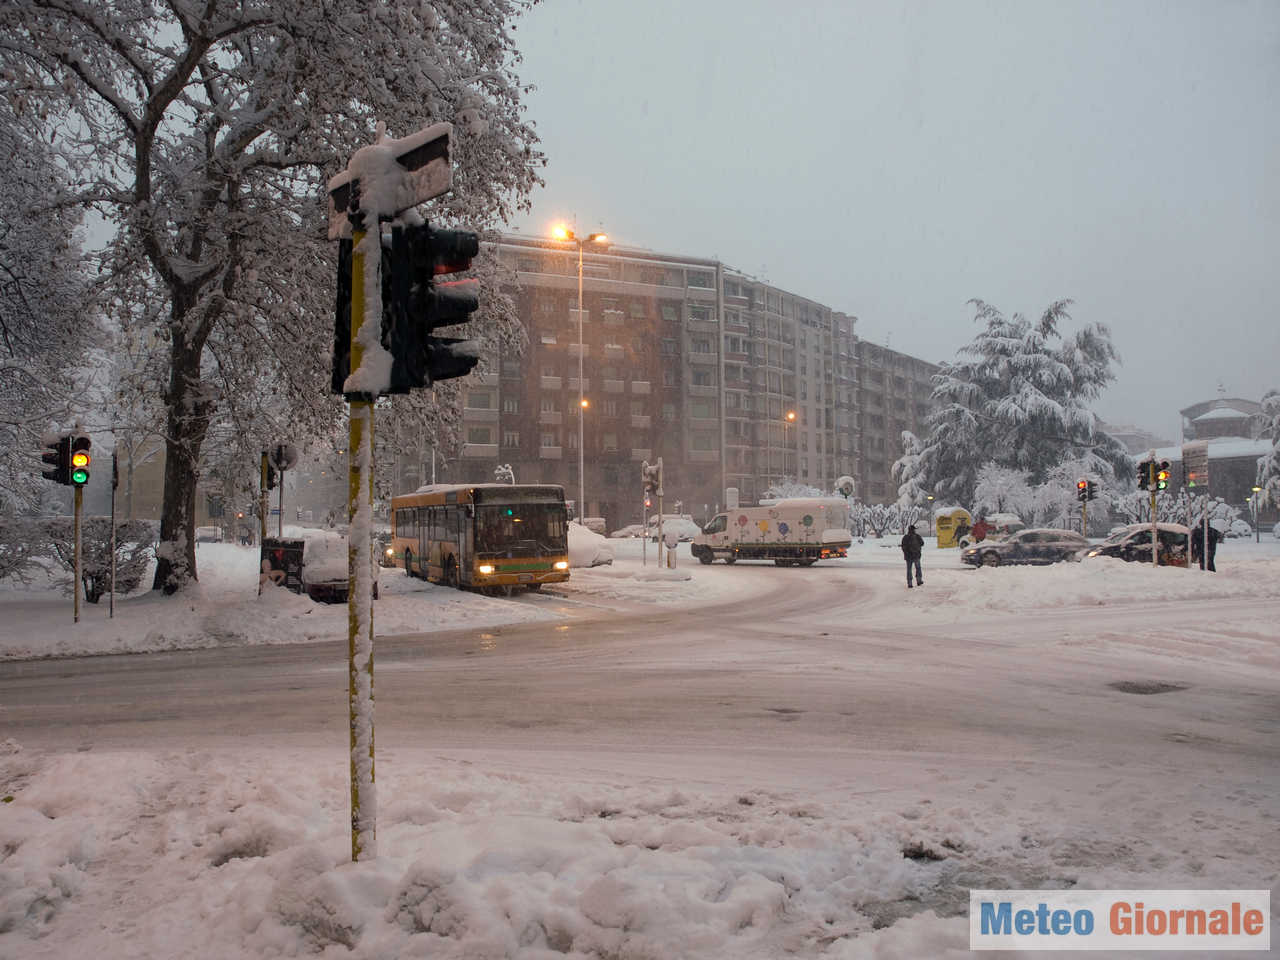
(135, 548)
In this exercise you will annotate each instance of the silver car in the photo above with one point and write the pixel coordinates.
(1040, 545)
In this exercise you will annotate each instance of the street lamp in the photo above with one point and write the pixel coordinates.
(1253, 501)
(786, 443)
(564, 233)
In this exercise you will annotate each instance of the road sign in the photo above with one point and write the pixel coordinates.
(1195, 463)
(391, 176)
(282, 456)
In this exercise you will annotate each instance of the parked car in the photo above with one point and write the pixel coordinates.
(324, 567)
(628, 532)
(587, 548)
(1133, 543)
(382, 549)
(1039, 545)
(682, 524)
(208, 534)
(1000, 527)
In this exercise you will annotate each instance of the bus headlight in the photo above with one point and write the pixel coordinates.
(562, 564)
(486, 568)
(390, 552)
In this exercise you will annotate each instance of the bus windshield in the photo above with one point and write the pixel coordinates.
(526, 529)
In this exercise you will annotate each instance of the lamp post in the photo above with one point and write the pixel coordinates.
(1253, 502)
(929, 506)
(564, 233)
(786, 443)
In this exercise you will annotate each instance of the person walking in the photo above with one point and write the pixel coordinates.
(1210, 546)
(912, 544)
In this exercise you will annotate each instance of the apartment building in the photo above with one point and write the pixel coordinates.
(892, 397)
(731, 381)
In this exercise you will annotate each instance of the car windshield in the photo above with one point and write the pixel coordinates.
(527, 529)
(1116, 537)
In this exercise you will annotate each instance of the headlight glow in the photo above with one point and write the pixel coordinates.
(562, 564)
(486, 568)
(390, 552)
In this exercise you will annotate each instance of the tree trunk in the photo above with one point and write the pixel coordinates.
(187, 422)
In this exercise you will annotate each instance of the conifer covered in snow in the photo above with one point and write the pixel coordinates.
(1018, 398)
(206, 134)
(1269, 465)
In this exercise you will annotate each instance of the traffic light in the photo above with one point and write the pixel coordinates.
(1082, 490)
(1162, 475)
(651, 477)
(415, 303)
(271, 477)
(1091, 491)
(58, 456)
(1144, 474)
(80, 460)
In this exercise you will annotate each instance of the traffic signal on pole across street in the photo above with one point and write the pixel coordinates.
(1092, 490)
(58, 456)
(1144, 474)
(80, 460)
(1162, 475)
(651, 476)
(1082, 490)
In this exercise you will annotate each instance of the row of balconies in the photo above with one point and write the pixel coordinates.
(638, 387)
(554, 418)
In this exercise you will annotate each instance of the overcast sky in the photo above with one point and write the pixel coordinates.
(894, 160)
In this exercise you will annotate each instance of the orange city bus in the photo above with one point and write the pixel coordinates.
(482, 535)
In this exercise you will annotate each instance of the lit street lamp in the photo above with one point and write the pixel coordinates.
(1253, 502)
(786, 443)
(564, 233)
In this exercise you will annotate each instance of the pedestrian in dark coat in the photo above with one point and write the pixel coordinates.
(912, 544)
(1209, 546)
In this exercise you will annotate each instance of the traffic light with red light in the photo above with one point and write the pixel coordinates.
(1082, 490)
(57, 456)
(80, 460)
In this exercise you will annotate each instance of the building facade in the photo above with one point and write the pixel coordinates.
(731, 381)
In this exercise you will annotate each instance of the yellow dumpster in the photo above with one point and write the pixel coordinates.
(952, 523)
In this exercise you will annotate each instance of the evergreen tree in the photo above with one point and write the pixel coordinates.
(1019, 397)
(1269, 464)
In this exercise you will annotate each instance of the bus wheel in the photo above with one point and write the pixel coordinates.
(534, 587)
(408, 563)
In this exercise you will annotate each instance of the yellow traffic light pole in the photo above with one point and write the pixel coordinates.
(75, 585)
(364, 803)
(1155, 527)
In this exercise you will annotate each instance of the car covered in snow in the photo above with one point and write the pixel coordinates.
(681, 524)
(1133, 543)
(324, 567)
(630, 531)
(1038, 545)
(588, 548)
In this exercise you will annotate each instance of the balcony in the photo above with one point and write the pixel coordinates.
(550, 383)
(640, 387)
(704, 456)
(575, 314)
(615, 386)
(614, 351)
(551, 418)
(639, 422)
(549, 453)
(479, 415)
(586, 384)
(574, 349)
(480, 451)
(484, 379)
(640, 454)
(613, 318)
(702, 390)
(709, 358)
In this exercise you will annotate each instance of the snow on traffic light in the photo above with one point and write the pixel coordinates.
(57, 455)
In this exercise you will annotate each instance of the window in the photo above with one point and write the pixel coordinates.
(550, 370)
(610, 443)
(669, 412)
(669, 347)
(511, 368)
(550, 404)
(701, 345)
(637, 408)
(702, 407)
(479, 435)
(702, 440)
(638, 311)
(670, 313)
(702, 280)
(479, 399)
(703, 378)
(510, 438)
(700, 313)
(670, 378)
(610, 408)
(549, 339)
(550, 439)
(510, 404)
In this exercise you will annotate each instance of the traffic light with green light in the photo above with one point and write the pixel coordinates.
(80, 460)
(1162, 476)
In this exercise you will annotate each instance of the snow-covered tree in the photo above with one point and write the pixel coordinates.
(1135, 507)
(46, 323)
(1269, 465)
(787, 488)
(206, 133)
(906, 471)
(1019, 398)
(1003, 490)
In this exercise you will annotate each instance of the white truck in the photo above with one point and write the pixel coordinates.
(794, 532)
